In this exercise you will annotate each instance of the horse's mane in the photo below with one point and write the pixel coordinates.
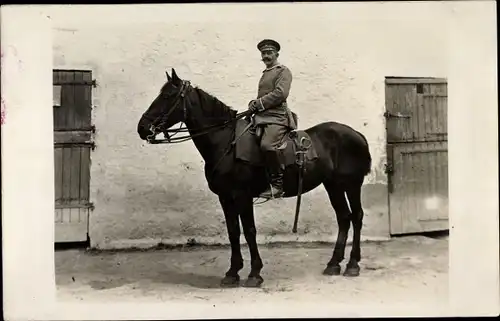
(212, 106)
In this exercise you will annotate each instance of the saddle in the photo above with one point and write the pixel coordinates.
(294, 143)
(296, 149)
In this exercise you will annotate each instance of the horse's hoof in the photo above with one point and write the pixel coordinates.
(352, 271)
(230, 282)
(253, 282)
(332, 270)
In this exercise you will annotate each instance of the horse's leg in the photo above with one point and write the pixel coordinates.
(245, 205)
(354, 196)
(232, 278)
(339, 203)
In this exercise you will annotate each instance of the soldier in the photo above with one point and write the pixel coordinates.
(273, 119)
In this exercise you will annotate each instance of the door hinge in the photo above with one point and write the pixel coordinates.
(389, 170)
(436, 134)
(388, 114)
(92, 83)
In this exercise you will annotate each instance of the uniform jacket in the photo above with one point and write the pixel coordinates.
(274, 87)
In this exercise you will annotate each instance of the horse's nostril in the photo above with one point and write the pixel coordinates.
(143, 132)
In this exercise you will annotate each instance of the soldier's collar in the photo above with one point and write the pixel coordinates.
(270, 68)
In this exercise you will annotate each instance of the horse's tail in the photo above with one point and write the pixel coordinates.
(366, 153)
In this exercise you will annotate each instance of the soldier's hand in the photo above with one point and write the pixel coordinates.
(253, 106)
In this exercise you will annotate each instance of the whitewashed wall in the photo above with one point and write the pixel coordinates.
(338, 53)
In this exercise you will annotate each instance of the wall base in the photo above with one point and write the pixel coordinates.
(263, 240)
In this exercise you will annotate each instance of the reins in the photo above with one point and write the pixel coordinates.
(156, 129)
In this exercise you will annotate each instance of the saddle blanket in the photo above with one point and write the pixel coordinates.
(247, 146)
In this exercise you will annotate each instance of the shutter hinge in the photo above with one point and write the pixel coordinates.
(388, 114)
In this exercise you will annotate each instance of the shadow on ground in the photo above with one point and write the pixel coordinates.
(167, 277)
(202, 269)
(401, 260)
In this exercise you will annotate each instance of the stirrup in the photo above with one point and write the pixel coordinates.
(270, 191)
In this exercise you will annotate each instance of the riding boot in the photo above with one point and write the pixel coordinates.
(275, 189)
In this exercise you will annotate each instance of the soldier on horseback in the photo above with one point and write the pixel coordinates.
(273, 119)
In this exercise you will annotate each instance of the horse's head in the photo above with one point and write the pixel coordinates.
(166, 110)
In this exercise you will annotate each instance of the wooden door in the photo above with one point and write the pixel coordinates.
(73, 143)
(417, 154)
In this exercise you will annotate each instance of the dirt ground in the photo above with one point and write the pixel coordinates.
(409, 269)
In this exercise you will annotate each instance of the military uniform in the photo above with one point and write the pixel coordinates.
(273, 117)
(274, 87)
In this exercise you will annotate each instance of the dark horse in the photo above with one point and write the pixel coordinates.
(343, 162)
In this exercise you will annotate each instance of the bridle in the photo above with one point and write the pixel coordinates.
(160, 121)
(157, 125)
(179, 99)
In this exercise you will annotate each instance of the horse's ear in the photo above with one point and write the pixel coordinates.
(168, 76)
(175, 78)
